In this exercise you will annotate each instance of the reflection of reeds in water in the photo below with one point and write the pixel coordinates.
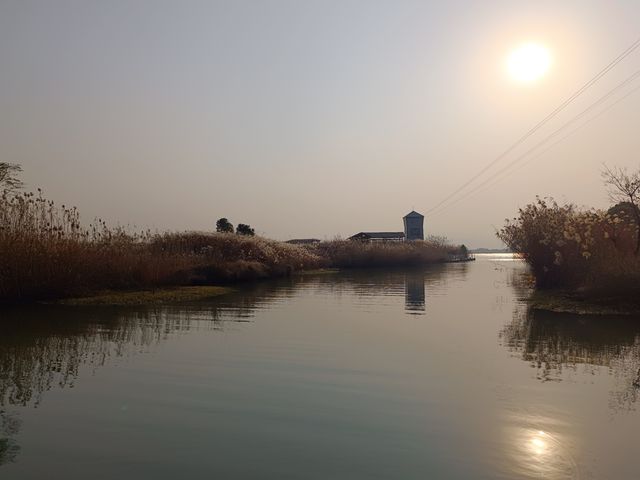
(36, 355)
(554, 343)
(9, 426)
(41, 348)
(45, 347)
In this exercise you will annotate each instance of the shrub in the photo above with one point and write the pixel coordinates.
(224, 226)
(243, 229)
(572, 248)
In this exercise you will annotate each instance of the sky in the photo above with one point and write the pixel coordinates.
(311, 118)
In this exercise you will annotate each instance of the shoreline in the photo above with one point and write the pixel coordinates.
(159, 296)
(560, 301)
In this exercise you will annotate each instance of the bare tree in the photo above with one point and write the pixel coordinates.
(624, 187)
(9, 181)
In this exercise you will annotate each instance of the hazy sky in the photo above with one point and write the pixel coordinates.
(307, 118)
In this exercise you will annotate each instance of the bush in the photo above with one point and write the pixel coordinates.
(575, 249)
(243, 229)
(224, 226)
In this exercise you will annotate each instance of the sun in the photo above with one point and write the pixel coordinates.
(528, 63)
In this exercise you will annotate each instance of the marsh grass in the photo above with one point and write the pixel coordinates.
(356, 254)
(47, 254)
(588, 252)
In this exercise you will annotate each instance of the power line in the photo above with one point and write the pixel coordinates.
(549, 137)
(542, 122)
(479, 188)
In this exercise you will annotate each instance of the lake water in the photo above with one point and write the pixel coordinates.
(437, 373)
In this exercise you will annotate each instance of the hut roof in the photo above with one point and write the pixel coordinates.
(378, 235)
(413, 213)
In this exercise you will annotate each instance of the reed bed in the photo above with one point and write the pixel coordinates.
(591, 252)
(356, 254)
(46, 254)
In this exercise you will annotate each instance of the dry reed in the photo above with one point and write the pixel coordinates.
(589, 251)
(46, 253)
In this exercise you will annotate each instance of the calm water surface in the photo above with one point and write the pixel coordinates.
(439, 373)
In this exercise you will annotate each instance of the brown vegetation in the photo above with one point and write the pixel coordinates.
(587, 251)
(45, 254)
(355, 254)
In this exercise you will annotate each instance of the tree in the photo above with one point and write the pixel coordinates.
(9, 181)
(624, 187)
(224, 226)
(243, 229)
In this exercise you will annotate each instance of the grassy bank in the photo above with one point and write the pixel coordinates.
(149, 297)
(589, 255)
(46, 254)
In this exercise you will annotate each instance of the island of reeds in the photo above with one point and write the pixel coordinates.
(48, 254)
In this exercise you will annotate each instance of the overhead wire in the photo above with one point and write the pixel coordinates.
(489, 182)
(631, 48)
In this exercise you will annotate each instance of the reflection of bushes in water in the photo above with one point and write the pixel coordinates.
(44, 347)
(377, 282)
(553, 342)
(9, 426)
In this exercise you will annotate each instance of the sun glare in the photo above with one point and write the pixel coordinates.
(528, 62)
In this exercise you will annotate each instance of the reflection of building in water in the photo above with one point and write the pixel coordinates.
(414, 294)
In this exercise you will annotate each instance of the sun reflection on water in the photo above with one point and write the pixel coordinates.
(538, 443)
(536, 453)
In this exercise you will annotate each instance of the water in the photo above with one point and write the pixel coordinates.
(439, 373)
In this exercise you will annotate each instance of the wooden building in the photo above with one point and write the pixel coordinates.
(378, 237)
(413, 226)
(413, 230)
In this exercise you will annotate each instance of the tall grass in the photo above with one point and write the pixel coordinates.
(576, 249)
(46, 253)
(355, 254)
